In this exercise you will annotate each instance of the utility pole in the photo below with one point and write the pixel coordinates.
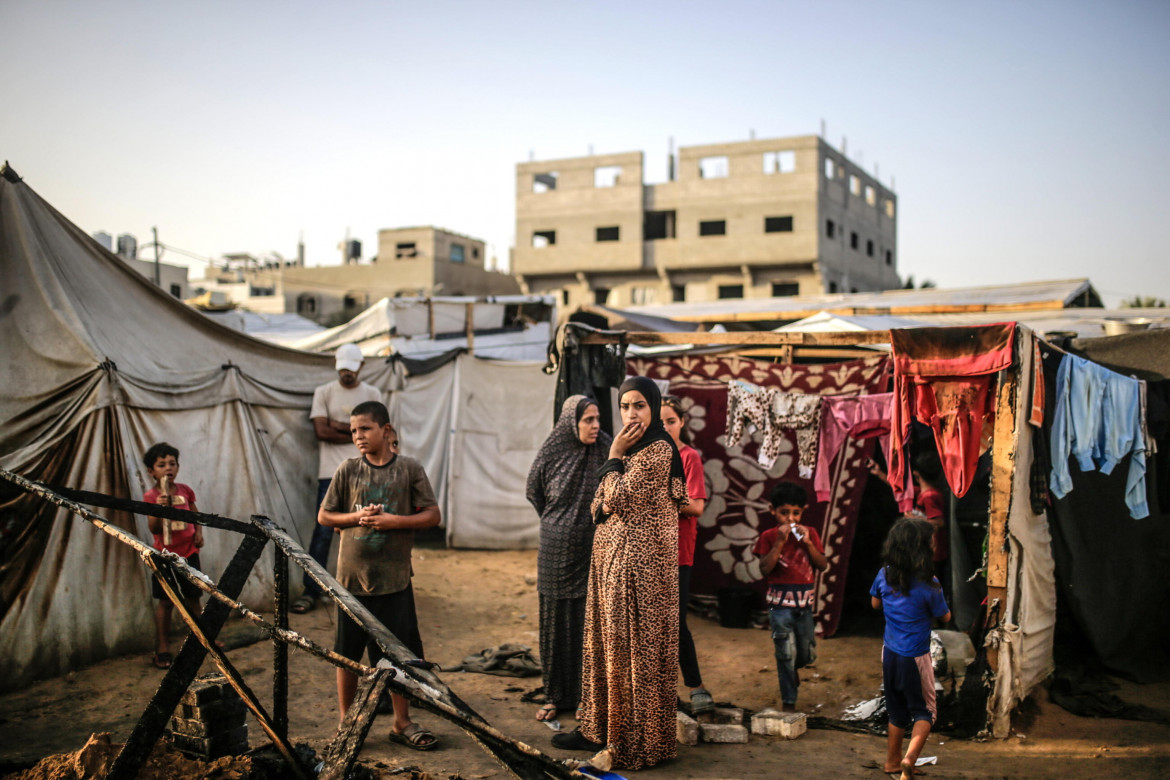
(157, 271)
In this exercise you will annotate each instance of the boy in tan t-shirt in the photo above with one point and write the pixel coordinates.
(376, 502)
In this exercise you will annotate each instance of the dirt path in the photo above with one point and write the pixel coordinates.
(471, 600)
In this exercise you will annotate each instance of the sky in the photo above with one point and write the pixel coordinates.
(1025, 141)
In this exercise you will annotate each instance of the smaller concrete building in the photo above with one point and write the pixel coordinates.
(411, 262)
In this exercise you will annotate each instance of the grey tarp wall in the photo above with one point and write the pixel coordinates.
(98, 364)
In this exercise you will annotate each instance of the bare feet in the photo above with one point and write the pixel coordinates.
(907, 769)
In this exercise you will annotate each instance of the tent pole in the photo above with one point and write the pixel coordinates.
(1002, 465)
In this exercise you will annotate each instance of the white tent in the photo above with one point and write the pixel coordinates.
(423, 328)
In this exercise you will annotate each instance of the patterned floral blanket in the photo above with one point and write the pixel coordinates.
(737, 485)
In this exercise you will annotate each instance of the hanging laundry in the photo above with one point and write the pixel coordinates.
(771, 412)
(800, 412)
(1098, 421)
(858, 417)
(943, 378)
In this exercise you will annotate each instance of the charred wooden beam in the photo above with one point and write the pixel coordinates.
(345, 747)
(186, 664)
(280, 649)
(143, 508)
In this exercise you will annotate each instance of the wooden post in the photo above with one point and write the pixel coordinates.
(470, 317)
(431, 318)
(279, 648)
(1002, 465)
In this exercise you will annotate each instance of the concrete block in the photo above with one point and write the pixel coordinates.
(233, 742)
(726, 726)
(723, 732)
(774, 723)
(687, 729)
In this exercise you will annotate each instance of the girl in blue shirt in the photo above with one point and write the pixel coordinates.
(908, 593)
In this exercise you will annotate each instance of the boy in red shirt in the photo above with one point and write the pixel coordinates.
(788, 555)
(185, 539)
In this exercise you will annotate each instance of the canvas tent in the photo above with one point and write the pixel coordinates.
(99, 364)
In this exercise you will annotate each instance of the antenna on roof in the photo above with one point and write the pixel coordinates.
(590, 150)
(752, 134)
(670, 159)
(822, 127)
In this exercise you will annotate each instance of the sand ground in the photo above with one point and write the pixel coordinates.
(469, 600)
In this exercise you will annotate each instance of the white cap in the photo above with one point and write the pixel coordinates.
(349, 357)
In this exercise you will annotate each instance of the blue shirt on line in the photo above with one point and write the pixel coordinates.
(908, 615)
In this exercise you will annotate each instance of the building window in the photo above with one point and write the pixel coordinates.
(642, 295)
(889, 208)
(349, 302)
(176, 291)
(678, 292)
(606, 175)
(869, 247)
(543, 238)
(601, 296)
(779, 162)
(889, 257)
(306, 304)
(830, 228)
(456, 253)
(870, 195)
(657, 225)
(713, 227)
(777, 224)
(543, 182)
(853, 240)
(830, 168)
(854, 184)
(730, 291)
(832, 287)
(785, 289)
(405, 249)
(609, 233)
(564, 297)
(713, 167)
(475, 253)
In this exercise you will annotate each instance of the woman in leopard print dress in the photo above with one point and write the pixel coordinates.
(630, 664)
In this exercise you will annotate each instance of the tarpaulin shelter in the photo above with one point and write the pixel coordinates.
(98, 365)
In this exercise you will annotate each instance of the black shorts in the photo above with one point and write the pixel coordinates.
(396, 613)
(181, 585)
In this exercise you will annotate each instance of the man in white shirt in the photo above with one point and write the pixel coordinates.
(332, 403)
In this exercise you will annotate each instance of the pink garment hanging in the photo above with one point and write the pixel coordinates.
(942, 378)
(858, 417)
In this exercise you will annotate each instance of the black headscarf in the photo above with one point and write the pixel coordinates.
(655, 431)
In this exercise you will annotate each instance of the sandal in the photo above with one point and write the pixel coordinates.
(701, 702)
(162, 660)
(303, 604)
(415, 737)
(547, 713)
(575, 740)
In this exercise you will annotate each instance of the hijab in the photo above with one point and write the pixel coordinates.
(655, 431)
(565, 464)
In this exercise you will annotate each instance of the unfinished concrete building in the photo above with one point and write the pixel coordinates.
(754, 219)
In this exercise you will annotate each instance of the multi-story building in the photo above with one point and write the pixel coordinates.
(753, 219)
(411, 261)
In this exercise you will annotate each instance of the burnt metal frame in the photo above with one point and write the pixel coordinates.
(399, 670)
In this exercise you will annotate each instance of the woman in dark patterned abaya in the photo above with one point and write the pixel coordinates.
(630, 663)
(561, 484)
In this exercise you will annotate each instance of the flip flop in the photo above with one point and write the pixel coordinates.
(162, 660)
(415, 737)
(701, 702)
(546, 713)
